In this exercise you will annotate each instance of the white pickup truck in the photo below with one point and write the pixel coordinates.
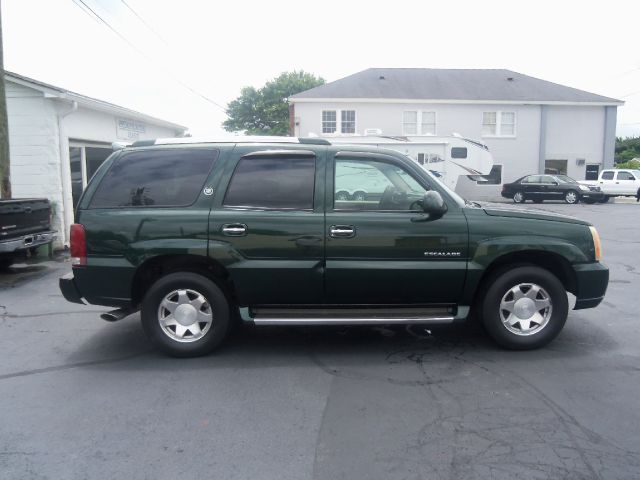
(615, 182)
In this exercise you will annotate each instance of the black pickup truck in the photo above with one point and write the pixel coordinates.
(25, 224)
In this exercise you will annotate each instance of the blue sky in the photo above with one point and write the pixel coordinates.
(216, 48)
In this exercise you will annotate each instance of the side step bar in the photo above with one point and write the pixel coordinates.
(351, 321)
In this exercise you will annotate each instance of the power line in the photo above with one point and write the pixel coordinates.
(94, 15)
(151, 29)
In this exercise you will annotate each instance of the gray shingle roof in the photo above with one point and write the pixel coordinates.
(449, 84)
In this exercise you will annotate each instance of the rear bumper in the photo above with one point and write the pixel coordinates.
(592, 280)
(69, 289)
(27, 241)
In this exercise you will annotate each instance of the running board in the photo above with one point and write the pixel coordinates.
(351, 321)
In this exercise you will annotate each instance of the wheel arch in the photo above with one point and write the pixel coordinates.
(156, 267)
(550, 261)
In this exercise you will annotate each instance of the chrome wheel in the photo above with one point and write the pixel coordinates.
(342, 196)
(525, 309)
(359, 196)
(518, 197)
(185, 315)
(571, 197)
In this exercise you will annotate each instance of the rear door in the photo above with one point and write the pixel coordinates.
(378, 250)
(267, 225)
(626, 183)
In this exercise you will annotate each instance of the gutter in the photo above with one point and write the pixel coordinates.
(65, 173)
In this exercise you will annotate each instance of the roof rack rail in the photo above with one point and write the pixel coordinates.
(231, 139)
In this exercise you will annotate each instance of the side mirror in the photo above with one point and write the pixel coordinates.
(433, 204)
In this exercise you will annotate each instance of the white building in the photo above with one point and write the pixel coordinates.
(58, 139)
(530, 125)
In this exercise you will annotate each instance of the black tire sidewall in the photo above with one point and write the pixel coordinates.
(214, 295)
(500, 283)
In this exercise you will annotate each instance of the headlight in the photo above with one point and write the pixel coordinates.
(597, 246)
(584, 188)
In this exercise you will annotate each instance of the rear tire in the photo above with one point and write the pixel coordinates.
(604, 200)
(524, 308)
(185, 314)
(5, 263)
(518, 197)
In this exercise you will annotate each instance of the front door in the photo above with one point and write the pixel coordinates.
(378, 248)
(267, 226)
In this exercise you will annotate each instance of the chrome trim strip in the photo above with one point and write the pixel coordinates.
(352, 321)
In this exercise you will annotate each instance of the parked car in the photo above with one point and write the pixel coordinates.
(199, 234)
(25, 224)
(539, 188)
(617, 183)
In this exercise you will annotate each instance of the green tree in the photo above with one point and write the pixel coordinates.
(265, 111)
(627, 149)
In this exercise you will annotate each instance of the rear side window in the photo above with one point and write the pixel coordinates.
(607, 175)
(273, 182)
(625, 176)
(155, 178)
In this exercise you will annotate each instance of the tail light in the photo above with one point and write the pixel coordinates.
(78, 245)
(597, 245)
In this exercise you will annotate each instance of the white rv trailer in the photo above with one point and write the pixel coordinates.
(447, 157)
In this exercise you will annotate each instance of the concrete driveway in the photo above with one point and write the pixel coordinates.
(84, 399)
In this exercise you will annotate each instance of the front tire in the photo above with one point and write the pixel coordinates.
(185, 314)
(571, 197)
(605, 199)
(524, 308)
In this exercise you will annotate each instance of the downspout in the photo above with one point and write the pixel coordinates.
(65, 175)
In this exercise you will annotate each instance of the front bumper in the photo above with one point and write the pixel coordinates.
(592, 280)
(69, 289)
(25, 242)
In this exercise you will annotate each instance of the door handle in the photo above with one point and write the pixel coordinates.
(342, 231)
(234, 229)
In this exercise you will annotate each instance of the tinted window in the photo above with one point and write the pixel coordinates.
(548, 179)
(273, 182)
(607, 175)
(157, 178)
(458, 152)
(625, 176)
(494, 177)
(532, 179)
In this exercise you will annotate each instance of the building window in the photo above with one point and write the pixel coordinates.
(498, 124)
(410, 123)
(425, 120)
(328, 121)
(493, 178)
(348, 124)
(555, 167)
(428, 123)
(84, 160)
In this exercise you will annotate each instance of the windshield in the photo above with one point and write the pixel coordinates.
(565, 179)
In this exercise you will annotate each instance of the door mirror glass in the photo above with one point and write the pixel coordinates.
(433, 204)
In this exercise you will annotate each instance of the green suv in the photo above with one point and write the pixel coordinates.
(200, 235)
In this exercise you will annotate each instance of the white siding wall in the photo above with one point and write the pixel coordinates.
(92, 125)
(518, 155)
(34, 141)
(575, 132)
(34, 147)
(572, 132)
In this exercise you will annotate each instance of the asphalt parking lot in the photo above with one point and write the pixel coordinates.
(84, 399)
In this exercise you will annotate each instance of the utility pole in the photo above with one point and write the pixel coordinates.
(5, 161)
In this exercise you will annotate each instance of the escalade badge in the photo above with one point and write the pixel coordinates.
(441, 254)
